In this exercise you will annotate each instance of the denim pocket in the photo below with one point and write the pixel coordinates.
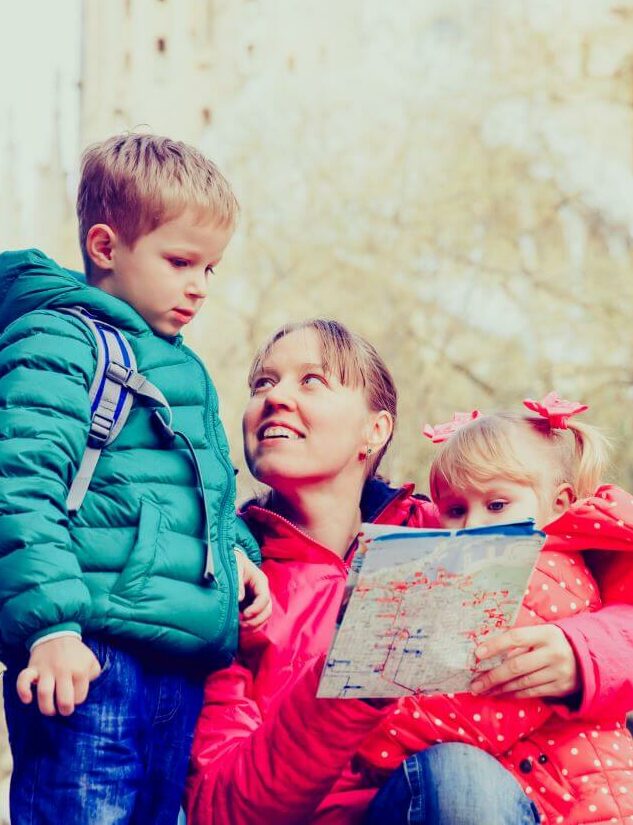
(140, 563)
(103, 654)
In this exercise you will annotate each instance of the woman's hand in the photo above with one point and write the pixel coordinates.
(539, 661)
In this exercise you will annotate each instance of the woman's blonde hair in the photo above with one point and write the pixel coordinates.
(354, 361)
(484, 449)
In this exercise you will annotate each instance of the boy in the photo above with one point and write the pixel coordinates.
(115, 612)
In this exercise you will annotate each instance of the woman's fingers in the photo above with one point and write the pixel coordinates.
(541, 691)
(517, 670)
(504, 643)
(549, 667)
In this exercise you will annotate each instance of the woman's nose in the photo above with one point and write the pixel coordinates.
(280, 395)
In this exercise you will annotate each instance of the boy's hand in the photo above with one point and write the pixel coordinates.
(62, 669)
(253, 584)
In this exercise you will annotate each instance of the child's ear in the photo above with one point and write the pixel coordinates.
(100, 242)
(564, 497)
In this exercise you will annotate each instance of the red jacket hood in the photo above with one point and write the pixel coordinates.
(604, 519)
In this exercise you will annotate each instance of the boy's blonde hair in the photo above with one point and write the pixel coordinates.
(354, 361)
(136, 182)
(483, 450)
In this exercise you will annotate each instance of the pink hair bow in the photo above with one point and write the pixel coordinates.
(555, 409)
(441, 432)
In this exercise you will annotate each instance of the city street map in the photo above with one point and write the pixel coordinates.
(418, 602)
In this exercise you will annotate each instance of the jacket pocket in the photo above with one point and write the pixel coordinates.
(140, 563)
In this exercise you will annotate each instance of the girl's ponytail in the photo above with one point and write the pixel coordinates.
(586, 459)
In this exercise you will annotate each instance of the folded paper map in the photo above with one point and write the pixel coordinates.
(418, 602)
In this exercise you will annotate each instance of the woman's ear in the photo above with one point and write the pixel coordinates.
(100, 242)
(564, 497)
(380, 430)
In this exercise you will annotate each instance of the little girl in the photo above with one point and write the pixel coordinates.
(567, 769)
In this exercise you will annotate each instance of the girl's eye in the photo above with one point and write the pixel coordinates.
(455, 512)
(178, 263)
(496, 506)
(209, 271)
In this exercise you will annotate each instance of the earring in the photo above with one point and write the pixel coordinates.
(369, 450)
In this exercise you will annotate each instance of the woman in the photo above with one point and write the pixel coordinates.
(320, 418)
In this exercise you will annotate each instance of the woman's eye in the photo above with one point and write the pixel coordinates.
(261, 383)
(313, 378)
(496, 506)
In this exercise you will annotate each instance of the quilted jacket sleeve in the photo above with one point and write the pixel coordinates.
(603, 646)
(603, 640)
(46, 365)
(246, 541)
(245, 768)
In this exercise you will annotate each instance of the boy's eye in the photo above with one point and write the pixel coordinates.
(496, 506)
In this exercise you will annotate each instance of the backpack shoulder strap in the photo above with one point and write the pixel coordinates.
(111, 394)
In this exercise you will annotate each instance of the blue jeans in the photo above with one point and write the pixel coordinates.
(120, 759)
(452, 784)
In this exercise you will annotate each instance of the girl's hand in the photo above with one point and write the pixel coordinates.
(539, 662)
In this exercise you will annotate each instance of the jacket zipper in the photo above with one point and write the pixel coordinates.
(305, 535)
(228, 469)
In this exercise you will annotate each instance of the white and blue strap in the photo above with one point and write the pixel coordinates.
(111, 394)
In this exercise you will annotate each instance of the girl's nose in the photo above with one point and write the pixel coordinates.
(476, 517)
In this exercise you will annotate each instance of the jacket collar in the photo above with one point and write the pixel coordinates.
(280, 538)
(29, 281)
(378, 497)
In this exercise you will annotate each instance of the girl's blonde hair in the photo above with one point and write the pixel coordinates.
(354, 361)
(484, 449)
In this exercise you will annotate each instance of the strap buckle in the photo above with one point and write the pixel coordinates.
(118, 373)
(100, 428)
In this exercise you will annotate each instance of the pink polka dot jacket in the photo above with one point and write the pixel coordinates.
(577, 766)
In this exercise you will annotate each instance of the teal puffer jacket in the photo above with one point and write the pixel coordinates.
(130, 563)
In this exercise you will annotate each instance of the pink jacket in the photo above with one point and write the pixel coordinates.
(266, 751)
(575, 770)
